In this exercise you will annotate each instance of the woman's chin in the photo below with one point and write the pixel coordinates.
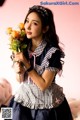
(29, 37)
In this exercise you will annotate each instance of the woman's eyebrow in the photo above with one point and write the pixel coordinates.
(33, 20)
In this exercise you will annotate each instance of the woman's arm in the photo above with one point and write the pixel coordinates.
(42, 81)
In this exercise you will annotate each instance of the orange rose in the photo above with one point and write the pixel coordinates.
(21, 26)
(15, 34)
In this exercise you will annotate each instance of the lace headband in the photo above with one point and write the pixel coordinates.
(39, 9)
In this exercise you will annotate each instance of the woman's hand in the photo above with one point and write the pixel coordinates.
(20, 58)
(18, 67)
(18, 63)
(19, 70)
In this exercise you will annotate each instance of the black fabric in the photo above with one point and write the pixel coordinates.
(2, 106)
(61, 112)
(55, 61)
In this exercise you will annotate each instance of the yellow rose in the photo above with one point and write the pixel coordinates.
(9, 30)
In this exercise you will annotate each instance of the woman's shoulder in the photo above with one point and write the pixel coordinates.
(50, 48)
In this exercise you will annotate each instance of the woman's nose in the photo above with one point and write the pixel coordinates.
(29, 26)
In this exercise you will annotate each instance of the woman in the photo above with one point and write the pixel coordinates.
(39, 97)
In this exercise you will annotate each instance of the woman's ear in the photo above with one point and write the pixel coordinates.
(45, 29)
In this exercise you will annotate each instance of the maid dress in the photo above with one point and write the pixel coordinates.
(29, 102)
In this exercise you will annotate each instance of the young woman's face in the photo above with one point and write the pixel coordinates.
(33, 26)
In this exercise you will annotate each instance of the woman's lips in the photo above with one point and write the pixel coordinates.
(29, 33)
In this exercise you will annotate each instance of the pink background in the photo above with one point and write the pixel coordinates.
(67, 21)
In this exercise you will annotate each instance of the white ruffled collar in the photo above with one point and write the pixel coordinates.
(38, 51)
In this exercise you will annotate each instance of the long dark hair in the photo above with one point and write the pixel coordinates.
(47, 19)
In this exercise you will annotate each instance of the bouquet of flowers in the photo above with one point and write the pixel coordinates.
(17, 43)
(16, 38)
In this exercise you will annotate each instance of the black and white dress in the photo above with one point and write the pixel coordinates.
(29, 102)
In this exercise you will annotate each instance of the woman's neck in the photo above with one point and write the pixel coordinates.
(35, 44)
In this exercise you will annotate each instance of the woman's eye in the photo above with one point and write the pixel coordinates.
(35, 23)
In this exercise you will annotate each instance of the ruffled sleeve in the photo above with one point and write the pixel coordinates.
(53, 61)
